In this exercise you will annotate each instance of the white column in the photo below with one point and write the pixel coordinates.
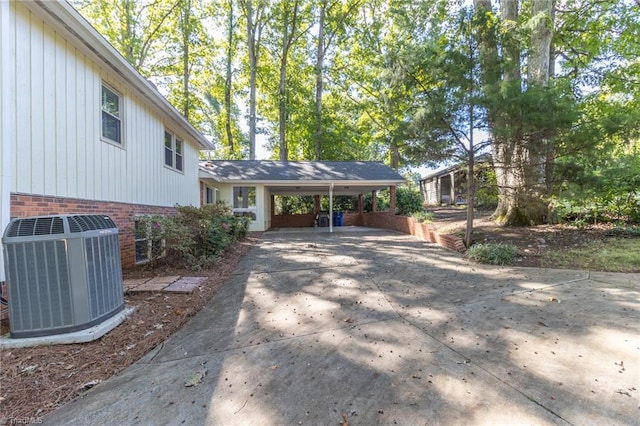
(6, 125)
(453, 189)
(331, 207)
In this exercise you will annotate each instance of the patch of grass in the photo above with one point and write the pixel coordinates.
(493, 253)
(610, 255)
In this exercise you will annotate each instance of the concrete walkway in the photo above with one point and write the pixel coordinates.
(375, 327)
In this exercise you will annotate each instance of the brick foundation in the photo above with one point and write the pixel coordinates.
(122, 214)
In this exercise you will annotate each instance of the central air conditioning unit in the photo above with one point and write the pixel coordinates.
(63, 273)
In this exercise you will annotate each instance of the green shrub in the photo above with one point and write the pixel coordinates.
(196, 236)
(493, 253)
(408, 200)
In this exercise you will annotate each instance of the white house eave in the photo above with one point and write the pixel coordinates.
(63, 18)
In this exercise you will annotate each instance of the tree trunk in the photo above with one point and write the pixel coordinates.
(228, 78)
(282, 103)
(289, 27)
(519, 202)
(186, 42)
(468, 235)
(394, 154)
(253, 44)
(319, 81)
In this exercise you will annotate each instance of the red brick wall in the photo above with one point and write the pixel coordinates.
(292, 220)
(306, 220)
(408, 225)
(122, 214)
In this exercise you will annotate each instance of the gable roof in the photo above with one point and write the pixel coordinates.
(64, 19)
(485, 158)
(297, 177)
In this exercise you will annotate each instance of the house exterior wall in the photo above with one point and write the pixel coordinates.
(225, 192)
(51, 132)
(430, 191)
(57, 142)
(7, 52)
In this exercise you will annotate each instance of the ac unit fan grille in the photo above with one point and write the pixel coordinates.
(89, 223)
(36, 226)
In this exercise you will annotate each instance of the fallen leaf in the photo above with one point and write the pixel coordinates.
(30, 369)
(195, 379)
(90, 384)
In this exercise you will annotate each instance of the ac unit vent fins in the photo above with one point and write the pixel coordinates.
(89, 223)
(36, 226)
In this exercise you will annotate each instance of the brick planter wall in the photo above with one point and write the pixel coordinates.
(408, 225)
(122, 214)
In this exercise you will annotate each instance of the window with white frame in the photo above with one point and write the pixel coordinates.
(173, 151)
(211, 195)
(149, 244)
(244, 201)
(111, 106)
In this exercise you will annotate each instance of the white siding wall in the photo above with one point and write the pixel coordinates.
(7, 135)
(57, 145)
(262, 215)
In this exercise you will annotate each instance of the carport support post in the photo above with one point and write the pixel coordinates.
(331, 207)
(452, 191)
(392, 199)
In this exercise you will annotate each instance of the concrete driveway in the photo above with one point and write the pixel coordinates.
(375, 327)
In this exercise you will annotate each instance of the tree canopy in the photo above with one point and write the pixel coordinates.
(550, 87)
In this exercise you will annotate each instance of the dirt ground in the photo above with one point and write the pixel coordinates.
(532, 242)
(35, 381)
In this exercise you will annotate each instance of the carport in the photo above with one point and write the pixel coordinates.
(230, 181)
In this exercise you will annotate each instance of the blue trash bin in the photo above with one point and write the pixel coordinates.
(337, 218)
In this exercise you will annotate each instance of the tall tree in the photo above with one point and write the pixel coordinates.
(228, 80)
(256, 17)
(442, 67)
(523, 116)
(136, 28)
(333, 19)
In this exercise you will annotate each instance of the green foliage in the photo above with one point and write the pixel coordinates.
(493, 253)
(382, 201)
(486, 189)
(423, 217)
(408, 200)
(196, 237)
(285, 204)
(608, 192)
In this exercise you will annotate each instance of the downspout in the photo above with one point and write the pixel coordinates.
(6, 140)
(331, 207)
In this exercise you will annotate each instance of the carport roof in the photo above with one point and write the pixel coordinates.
(297, 177)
